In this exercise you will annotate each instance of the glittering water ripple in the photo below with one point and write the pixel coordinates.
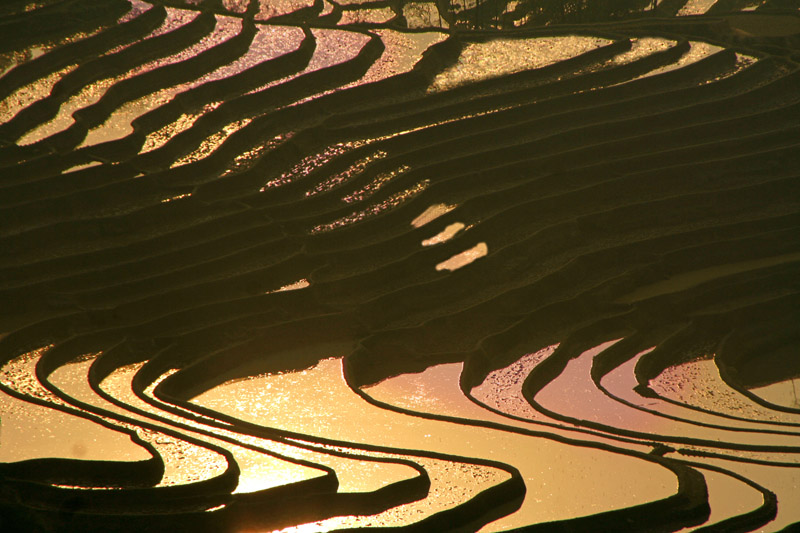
(313, 266)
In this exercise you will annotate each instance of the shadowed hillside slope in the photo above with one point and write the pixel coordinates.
(313, 265)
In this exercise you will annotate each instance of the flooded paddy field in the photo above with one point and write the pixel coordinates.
(326, 265)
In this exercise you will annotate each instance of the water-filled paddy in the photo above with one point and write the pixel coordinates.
(480, 265)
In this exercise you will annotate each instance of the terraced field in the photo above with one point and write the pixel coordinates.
(313, 265)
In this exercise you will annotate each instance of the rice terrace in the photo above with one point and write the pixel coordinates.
(422, 265)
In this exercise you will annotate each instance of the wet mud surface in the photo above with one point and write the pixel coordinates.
(319, 265)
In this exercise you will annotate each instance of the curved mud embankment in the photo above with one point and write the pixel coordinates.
(343, 264)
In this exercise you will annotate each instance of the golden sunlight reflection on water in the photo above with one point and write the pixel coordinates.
(354, 473)
(698, 383)
(361, 16)
(259, 460)
(696, 7)
(783, 393)
(574, 394)
(93, 92)
(431, 213)
(480, 61)
(570, 432)
(445, 235)
(30, 431)
(727, 497)
(464, 258)
(184, 462)
(554, 474)
(451, 483)
(30, 93)
(258, 470)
